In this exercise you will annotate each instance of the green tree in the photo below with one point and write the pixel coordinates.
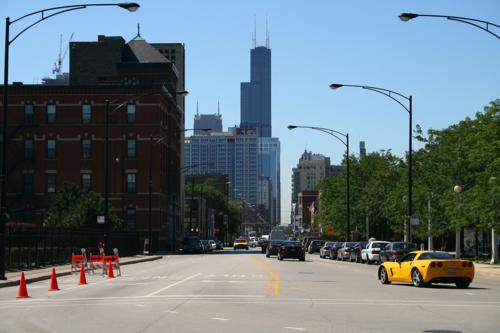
(73, 208)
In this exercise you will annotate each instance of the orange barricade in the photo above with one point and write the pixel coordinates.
(97, 262)
(115, 263)
(77, 261)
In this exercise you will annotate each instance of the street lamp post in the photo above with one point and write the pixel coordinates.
(335, 134)
(409, 109)
(405, 17)
(458, 248)
(45, 14)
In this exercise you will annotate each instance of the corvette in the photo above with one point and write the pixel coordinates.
(422, 268)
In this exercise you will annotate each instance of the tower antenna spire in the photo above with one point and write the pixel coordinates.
(197, 110)
(138, 30)
(254, 39)
(218, 107)
(267, 33)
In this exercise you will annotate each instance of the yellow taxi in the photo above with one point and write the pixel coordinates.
(240, 243)
(422, 268)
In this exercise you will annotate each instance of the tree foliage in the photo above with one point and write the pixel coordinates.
(465, 154)
(73, 208)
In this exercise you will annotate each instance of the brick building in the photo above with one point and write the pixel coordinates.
(56, 134)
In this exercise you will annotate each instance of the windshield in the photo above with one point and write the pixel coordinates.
(404, 246)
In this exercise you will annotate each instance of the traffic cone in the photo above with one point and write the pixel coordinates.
(110, 271)
(23, 292)
(53, 281)
(83, 279)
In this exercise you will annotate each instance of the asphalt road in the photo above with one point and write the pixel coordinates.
(243, 291)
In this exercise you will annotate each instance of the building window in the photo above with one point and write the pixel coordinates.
(28, 183)
(51, 183)
(28, 149)
(131, 185)
(131, 148)
(86, 148)
(51, 113)
(86, 114)
(131, 111)
(86, 181)
(130, 219)
(29, 113)
(51, 148)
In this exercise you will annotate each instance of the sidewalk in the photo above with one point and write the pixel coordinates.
(34, 275)
(488, 270)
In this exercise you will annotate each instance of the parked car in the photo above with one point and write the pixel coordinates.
(191, 245)
(291, 249)
(307, 241)
(372, 251)
(212, 244)
(263, 245)
(325, 250)
(240, 243)
(396, 250)
(273, 247)
(333, 251)
(355, 254)
(315, 246)
(422, 268)
(207, 247)
(344, 251)
(219, 245)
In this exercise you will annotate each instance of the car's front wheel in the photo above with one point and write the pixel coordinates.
(417, 279)
(384, 278)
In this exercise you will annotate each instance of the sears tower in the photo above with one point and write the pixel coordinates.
(256, 94)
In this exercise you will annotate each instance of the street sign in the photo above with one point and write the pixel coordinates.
(100, 219)
(414, 220)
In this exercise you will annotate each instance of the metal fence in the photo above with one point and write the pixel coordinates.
(55, 246)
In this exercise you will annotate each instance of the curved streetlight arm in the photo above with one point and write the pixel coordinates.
(64, 9)
(325, 130)
(383, 91)
(467, 20)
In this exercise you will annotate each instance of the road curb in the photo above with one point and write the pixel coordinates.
(48, 275)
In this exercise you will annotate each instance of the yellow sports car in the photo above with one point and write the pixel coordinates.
(423, 268)
(240, 243)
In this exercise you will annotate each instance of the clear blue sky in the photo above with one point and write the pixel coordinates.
(451, 69)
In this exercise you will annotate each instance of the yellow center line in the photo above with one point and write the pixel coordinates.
(273, 277)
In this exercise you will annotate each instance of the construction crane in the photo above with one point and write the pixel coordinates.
(58, 65)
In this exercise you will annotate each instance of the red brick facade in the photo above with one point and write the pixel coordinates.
(156, 131)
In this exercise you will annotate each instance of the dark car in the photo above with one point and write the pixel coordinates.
(291, 249)
(396, 250)
(263, 245)
(355, 254)
(219, 245)
(273, 247)
(333, 250)
(325, 250)
(206, 246)
(315, 246)
(191, 245)
(307, 241)
(344, 251)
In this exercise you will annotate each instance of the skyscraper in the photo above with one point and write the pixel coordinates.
(256, 94)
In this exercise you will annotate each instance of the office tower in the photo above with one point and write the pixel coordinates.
(269, 156)
(256, 94)
(362, 149)
(309, 171)
(207, 121)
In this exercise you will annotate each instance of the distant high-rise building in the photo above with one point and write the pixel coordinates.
(269, 156)
(233, 153)
(362, 149)
(207, 121)
(256, 94)
(309, 171)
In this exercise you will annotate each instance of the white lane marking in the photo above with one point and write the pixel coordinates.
(140, 305)
(221, 319)
(295, 328)
(469, 293)
(222, 281)
(173, 285)
(171, 311)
